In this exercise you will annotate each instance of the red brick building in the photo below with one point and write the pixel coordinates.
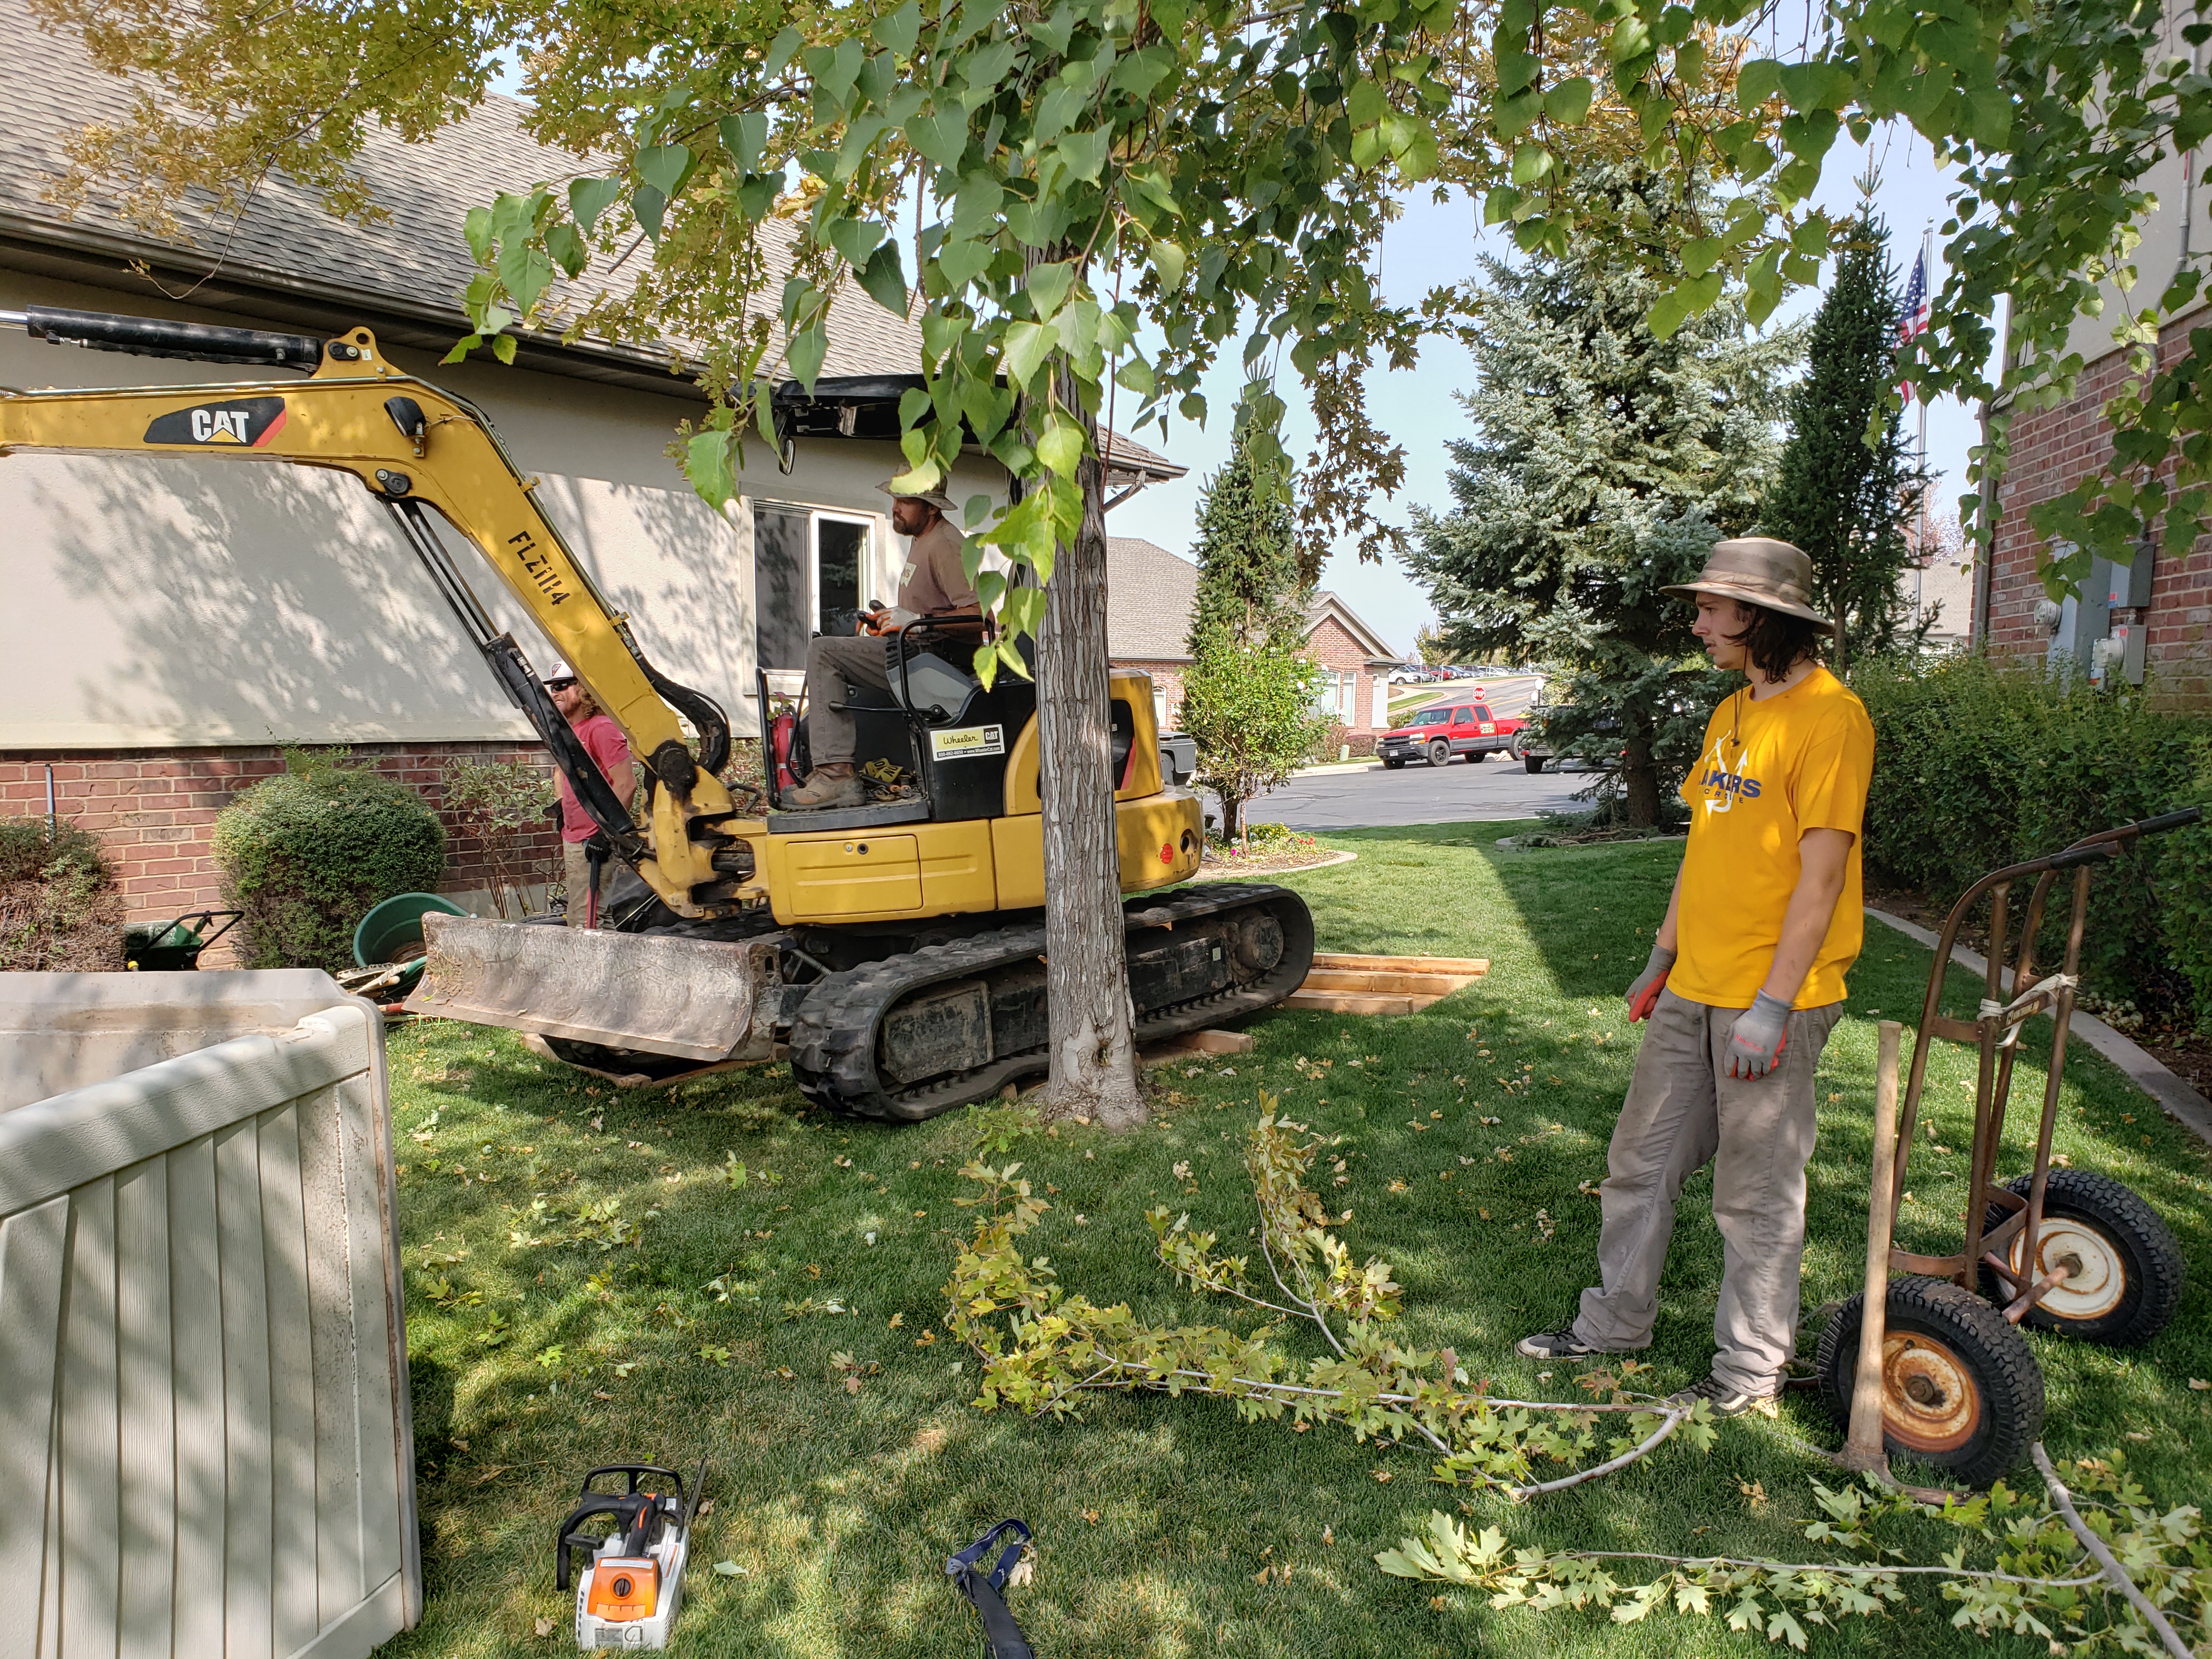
(1357, 661)
(2149, 622)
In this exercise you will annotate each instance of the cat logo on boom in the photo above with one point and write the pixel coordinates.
(244, 423)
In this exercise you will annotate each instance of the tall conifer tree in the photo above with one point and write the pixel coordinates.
(1845, 499)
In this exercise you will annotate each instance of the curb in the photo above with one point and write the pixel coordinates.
(2175, 1097)
(1341, 856)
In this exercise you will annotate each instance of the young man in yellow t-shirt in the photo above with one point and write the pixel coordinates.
(1744, 983)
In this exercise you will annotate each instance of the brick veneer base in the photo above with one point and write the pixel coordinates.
(2053, 448)
(155, 809)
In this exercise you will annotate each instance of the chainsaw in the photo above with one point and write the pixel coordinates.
(630, 1595)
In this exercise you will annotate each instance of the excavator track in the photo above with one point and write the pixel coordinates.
(911, 1036)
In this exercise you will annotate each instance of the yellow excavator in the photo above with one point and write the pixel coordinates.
(893, 952)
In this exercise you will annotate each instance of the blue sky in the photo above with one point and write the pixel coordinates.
(1438, 243)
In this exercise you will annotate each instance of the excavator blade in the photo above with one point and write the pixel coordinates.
(694, 999)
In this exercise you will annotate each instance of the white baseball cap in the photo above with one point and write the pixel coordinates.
(559, 674)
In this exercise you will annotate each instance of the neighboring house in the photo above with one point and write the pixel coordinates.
(2154, 617)
(176, 621)
(1357, 663)
(1150, 593)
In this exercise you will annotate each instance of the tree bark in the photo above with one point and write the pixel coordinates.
(1094, 1062)
(1640, 782)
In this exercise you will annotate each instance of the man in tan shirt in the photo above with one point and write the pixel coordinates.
(934, 583)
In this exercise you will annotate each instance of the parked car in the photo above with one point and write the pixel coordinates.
(1437, 733)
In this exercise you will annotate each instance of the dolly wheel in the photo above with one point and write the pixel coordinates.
(1959, 1388)
(2125, 1269)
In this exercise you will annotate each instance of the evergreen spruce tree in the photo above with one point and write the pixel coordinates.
(1842, 500)
(1605, 463)
(1248, 695)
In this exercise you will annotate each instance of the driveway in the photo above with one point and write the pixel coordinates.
(1371, 797)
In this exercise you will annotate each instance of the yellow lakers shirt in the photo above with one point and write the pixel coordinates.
(1772, 768)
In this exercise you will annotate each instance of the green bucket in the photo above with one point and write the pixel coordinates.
(392, 932)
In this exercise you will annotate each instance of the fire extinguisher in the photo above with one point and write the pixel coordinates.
(782, 731)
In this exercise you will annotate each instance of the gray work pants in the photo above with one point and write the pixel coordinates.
(835, 663)
(1684, 1111)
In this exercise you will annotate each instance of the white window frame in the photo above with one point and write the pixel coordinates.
(863, 590)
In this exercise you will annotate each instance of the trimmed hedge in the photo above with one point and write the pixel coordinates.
(59, 909)
(1978, 766)
(307, 853)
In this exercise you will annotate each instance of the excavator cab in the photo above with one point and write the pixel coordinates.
(893, 953)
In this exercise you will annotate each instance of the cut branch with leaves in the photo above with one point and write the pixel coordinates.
(1042, 1347)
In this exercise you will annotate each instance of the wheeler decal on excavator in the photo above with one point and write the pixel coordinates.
(246, 422)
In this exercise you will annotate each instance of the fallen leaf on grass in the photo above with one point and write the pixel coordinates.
(1091, 1516)
(731, 1570)
(1383, 1477)
(543, 1626)
(1399, 1186)
(2196, 1382)
(1328, 1534)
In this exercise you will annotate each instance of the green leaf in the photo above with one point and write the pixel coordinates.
(745, 136)
(1363, 103)
(1026, 345)
(1168, 259)
(920, 481)
(648, 206)
(757, 197)
(986, 664)
(899, 30)
(1048, 286)
(1061, 447)
(664, 167)
(476, 227)
(503, 347)
(941, 138)
(781, 50)
(526, 272)
(855, 239)
(804, 356)
(567, 247)
(462, 347)
(1530, 163)
(1568, 102)
(961, 263)
(707, 464)
(1085, 152)
(883, 280)
(977, 508)
(1135, 375)
(764, 411)
(1757, 81)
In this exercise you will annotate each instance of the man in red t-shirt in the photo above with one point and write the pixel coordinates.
(607, 747)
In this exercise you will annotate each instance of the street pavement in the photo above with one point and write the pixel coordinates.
(1495, 789)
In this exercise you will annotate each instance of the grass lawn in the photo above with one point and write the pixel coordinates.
(610, 1338)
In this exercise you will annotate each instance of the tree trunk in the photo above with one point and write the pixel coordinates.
(1094, 1063)
(1232, 815)
(1838, 626)
(1640, 782)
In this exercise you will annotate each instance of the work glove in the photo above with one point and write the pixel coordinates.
(1757, 1037)
(1644, 993)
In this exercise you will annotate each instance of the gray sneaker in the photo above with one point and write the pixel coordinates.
(1562, 1344)
(1724, 1400)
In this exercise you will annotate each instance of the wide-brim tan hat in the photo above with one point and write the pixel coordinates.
(1758, 570)
(936, 498)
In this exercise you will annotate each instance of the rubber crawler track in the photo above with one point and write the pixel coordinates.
(833, 1038)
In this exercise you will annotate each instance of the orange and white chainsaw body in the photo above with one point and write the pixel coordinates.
(631, 1601)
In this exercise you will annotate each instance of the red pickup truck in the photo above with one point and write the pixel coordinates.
(1436, 734)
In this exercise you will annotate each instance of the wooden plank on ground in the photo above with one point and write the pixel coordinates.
(1212, 1043)
(1375, 979)
(1347, 1002)
(1476, 966)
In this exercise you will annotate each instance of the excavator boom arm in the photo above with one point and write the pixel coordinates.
(416, 448)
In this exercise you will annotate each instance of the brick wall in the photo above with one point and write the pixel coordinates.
(155, 809)
(2052, 449)
(1333, 647)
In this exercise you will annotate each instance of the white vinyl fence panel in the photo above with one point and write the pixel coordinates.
(204, 1443)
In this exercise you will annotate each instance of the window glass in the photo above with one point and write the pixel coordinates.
(838, 547)
(779, 560)
(1433, 717)
(1462, 716)
(1482, 712)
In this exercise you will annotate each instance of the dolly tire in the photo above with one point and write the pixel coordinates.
(1961, 1389)
(2132, 1287)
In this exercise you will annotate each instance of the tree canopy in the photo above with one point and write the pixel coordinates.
(1604, 463)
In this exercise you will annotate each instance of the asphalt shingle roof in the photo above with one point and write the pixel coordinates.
(415, 264)
(1149, 595)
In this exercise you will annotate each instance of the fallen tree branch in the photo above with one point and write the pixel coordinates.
(2063, 1500)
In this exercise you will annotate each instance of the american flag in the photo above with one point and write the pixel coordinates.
(1912, 315)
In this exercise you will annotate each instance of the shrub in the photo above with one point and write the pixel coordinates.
(503, 805)
(1978, 766)
(59, 910)
(307, 853)
(2185, 895)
